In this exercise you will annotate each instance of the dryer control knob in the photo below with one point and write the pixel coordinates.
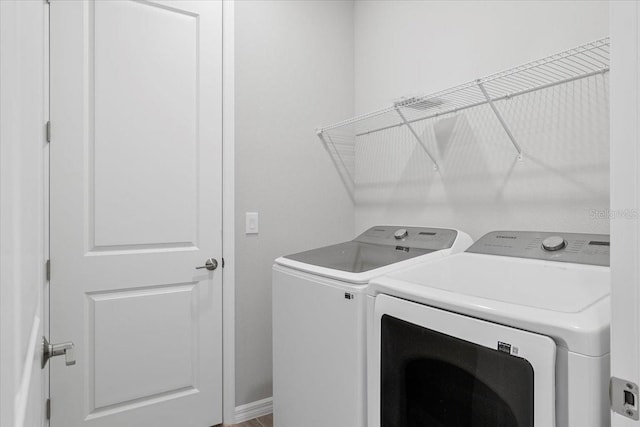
(401, 233)
(553, 243)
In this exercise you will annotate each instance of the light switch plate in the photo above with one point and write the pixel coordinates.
(251, 223)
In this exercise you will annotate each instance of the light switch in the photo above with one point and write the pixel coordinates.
(251, 225)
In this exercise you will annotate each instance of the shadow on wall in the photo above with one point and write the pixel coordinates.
(564, 135)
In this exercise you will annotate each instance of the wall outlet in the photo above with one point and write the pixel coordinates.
(251, 223)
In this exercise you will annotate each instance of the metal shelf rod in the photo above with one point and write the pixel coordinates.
(582, 61)
(348, 181)
(585, 50)
(477, 104)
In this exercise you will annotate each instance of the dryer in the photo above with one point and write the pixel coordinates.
(512, 332)
(319, 338)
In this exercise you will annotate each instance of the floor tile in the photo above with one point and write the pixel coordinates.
(250, 423)
(266, 421)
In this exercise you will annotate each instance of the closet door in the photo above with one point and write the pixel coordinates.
(136, 89)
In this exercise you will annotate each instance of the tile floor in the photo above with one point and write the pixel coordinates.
(265, 421)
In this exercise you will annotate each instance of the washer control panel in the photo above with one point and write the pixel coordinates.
(433, 239)
(592, 249)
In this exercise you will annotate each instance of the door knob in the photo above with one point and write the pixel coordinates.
(51, 350)
(210, 264)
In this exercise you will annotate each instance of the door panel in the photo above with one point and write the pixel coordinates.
(155, 128)
(163, 316)
(135, 207)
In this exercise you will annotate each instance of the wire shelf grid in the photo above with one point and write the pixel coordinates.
(415, 113)
(580, 62)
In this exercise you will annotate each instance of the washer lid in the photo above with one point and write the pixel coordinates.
(377, 247)
(356, 257)
(377, 251)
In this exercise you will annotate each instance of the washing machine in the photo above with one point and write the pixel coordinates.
(319, 339)
(512, 332)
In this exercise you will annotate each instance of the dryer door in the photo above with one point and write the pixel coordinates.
(441, 369)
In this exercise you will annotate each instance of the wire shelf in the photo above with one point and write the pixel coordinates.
(574, 64)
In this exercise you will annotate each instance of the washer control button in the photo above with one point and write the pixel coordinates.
(553, 243)
(401, 233)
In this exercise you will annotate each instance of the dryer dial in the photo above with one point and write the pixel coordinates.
(553, 243)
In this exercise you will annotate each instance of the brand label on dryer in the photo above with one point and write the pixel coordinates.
(507, 348)
(504, 347)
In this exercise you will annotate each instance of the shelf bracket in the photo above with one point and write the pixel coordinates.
(500, 119)
(342, 169)
(417, 137)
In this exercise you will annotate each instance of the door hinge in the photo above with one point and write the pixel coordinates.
(49, 131)
(623, 397)
(48, 409)
(222, 262)
(48, 269)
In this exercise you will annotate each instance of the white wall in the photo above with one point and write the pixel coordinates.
(22, 148)
(405, 48)
(300, 65)
(293, 73)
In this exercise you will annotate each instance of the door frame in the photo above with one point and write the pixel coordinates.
(624, 25)
(228, 214)
(23, 111)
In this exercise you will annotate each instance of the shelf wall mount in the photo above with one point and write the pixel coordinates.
(416, 136)
(504, 124)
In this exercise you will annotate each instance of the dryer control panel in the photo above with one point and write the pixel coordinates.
(433, 239)
(579, 248)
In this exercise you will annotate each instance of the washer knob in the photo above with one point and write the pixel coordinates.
(553, 243)
(401, 233)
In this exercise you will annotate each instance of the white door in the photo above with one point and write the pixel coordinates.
(136, 91)
(625, 203)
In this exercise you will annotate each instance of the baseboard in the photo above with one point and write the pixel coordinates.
(253, 410)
